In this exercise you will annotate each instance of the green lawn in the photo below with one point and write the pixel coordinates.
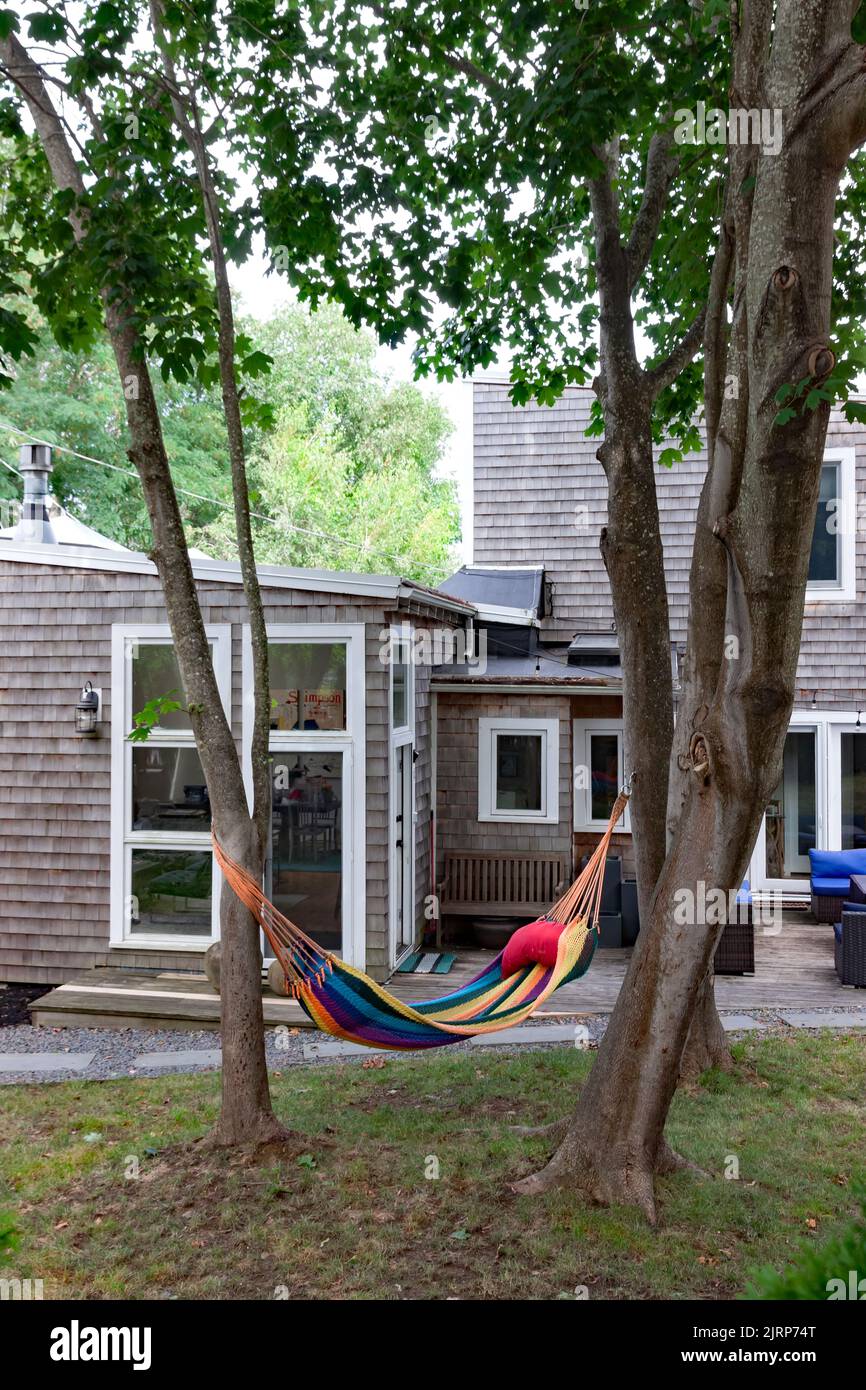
(354, 1216)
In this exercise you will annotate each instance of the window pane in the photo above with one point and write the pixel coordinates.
(155, 672)
(791, 812)
(168, 790)
(824, 559)
(854, 791)
(518, 772)
(400, 691)
(603, 774)
(171, 893)
(306, 875)
(308, 685)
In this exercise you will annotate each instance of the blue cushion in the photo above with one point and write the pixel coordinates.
(837, 931)
(830, 887)
(837, 863)
(854, 907)
(745, 893)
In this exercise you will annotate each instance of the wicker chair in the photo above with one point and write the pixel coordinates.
(735, 953)
(851, 949)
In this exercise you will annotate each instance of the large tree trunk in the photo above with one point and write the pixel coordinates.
(246, 1116)
(631, 542)
(758, 517)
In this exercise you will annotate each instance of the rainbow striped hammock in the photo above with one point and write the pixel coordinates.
(345, 1002)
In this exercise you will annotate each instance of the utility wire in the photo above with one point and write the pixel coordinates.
(214, 501)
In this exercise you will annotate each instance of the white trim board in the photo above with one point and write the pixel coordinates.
(382, 586)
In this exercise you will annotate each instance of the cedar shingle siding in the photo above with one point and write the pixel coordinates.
(55, 633)
(540, 498)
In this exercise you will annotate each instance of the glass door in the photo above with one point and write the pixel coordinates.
(402, 856)
(791, 822)
(306, 865)
(852, 789)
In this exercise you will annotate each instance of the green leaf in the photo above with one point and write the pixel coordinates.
(668, 457)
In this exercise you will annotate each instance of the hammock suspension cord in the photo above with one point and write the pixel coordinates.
(304, 962)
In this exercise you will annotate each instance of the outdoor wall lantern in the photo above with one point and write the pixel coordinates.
(87, 710)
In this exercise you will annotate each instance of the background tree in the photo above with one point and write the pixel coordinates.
(71, 399)
(348, 471)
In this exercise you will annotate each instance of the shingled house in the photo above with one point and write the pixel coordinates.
(495, 699)
(549, 701)
(105, 852)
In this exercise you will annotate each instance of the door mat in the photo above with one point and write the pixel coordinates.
(426, 963)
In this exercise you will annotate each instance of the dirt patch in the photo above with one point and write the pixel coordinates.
(14, 1001)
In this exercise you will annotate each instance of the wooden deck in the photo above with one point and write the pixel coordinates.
(793, 969)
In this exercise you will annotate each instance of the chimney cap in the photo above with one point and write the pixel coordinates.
(35, 458)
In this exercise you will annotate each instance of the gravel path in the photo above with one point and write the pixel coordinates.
(116, 1050)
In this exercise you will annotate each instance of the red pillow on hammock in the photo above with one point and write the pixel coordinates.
(534, 944)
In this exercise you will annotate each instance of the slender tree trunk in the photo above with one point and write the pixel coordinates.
(247, 1116)
(240, 1009)
(759, 509)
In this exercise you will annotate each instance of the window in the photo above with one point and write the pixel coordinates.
(316, 857)
(308, 685)
(163, 875)
(598, 772)
(402, 679)
(518, 770)
(832, 558)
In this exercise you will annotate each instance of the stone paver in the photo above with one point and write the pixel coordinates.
(740, 1023)
(545, 1033)
(820, 1018)
(190, 1058)
(335, 1047)
(45, 1061)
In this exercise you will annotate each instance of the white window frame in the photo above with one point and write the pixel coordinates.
(583, 731)
(351, 742)
(400, 735)
(399, 636)
(845, 589)
(488, 731)
(124, 637)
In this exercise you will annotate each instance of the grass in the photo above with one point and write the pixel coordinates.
(110, 1199)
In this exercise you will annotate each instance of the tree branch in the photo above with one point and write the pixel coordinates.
(679, 357)
(661, 167)
(453, 60)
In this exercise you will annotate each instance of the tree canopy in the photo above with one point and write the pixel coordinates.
(347, 471)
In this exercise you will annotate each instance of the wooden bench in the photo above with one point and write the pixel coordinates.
(478, 884)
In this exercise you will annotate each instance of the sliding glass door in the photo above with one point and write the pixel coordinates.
(791, 819)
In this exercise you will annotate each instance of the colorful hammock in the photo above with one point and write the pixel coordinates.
(345, 1002)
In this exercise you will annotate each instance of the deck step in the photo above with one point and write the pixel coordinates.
(137, 1000)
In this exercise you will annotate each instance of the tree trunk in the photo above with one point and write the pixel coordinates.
(631, 542)
(244, 1088)
(246, 1115)
(759, 508)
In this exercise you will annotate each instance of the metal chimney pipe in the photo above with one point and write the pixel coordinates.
(34, 525)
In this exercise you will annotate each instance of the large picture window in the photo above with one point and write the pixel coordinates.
(518, 770)
(164, 880)
(316, 854)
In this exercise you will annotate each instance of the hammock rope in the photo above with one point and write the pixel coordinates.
(343, 1001)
